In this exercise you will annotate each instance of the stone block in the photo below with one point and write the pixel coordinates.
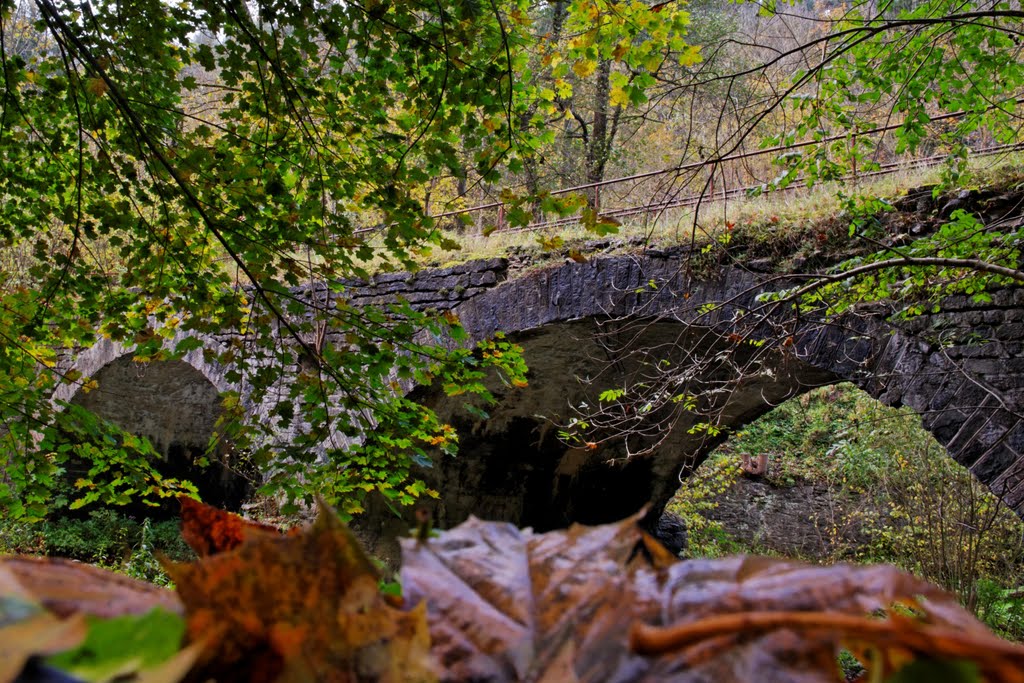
(1010, 332)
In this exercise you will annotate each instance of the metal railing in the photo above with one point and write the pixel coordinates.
(674, 196)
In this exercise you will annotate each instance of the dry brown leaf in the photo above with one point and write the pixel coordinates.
(209, 530)
(300, 608)
(509, 605)
(41, 634)
(27, 630)
(898, 638)
(174, 669)
(67, 587)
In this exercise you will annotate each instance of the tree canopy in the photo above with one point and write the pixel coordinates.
(175, 170)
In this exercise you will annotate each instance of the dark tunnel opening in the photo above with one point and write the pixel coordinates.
(176, 408)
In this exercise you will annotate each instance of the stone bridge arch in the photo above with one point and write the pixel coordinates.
(175, 404)
(960, 370)
(92, 360)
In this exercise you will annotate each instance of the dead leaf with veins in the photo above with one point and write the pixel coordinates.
(67, 587)
(606, 603)
(305, 607)
(209, 530)
(27, 630)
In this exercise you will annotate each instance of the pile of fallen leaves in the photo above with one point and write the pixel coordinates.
(482, 602)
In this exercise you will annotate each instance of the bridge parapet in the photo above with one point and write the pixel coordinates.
(440, 288)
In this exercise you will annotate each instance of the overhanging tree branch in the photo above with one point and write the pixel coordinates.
(907, 261)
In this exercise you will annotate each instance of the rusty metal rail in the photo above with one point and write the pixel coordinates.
(691, 200)
(714, 165)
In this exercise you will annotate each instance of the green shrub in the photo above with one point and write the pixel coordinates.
(696, 498)
(849, 666)
(897, 497)
(105, 538)
(1001, 609)
(21, 537)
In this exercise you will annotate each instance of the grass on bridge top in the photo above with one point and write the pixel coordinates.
(785, 211)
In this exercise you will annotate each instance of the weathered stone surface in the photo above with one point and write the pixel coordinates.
(670, 529)
(586, 327)
(176, 407)
(957, 400)
(798, 520)
(427, 288)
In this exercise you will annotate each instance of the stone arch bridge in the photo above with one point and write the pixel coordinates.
(617, 321)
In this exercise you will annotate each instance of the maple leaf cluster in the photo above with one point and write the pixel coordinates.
(483, 602)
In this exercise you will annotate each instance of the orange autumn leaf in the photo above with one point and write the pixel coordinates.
(304, 607)
(209, 530)
(496, 603)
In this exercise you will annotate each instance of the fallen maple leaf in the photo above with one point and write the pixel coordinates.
(586, 604)
(117, 649)
(305, 607)
(898, 639)
(209, 530)
(34, 636)
(605, 604)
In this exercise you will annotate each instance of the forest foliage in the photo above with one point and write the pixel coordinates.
(876, 488)
(175, 170)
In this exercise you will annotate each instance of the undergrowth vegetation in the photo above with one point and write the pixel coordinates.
(892, 494)
(105, 538)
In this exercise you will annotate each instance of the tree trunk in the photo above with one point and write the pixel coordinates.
(599, 147)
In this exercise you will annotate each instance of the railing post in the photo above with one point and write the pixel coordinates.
(501, 217)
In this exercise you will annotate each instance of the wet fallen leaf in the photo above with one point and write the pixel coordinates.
(119, 648)
(299, 608)
(41, 634)
(493, 603)
(604, 604)
(174, 669)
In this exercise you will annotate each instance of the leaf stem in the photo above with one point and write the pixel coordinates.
(934, 640)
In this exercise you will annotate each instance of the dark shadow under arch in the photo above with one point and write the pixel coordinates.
(515, 467)
(176, 408)
(961, 368)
